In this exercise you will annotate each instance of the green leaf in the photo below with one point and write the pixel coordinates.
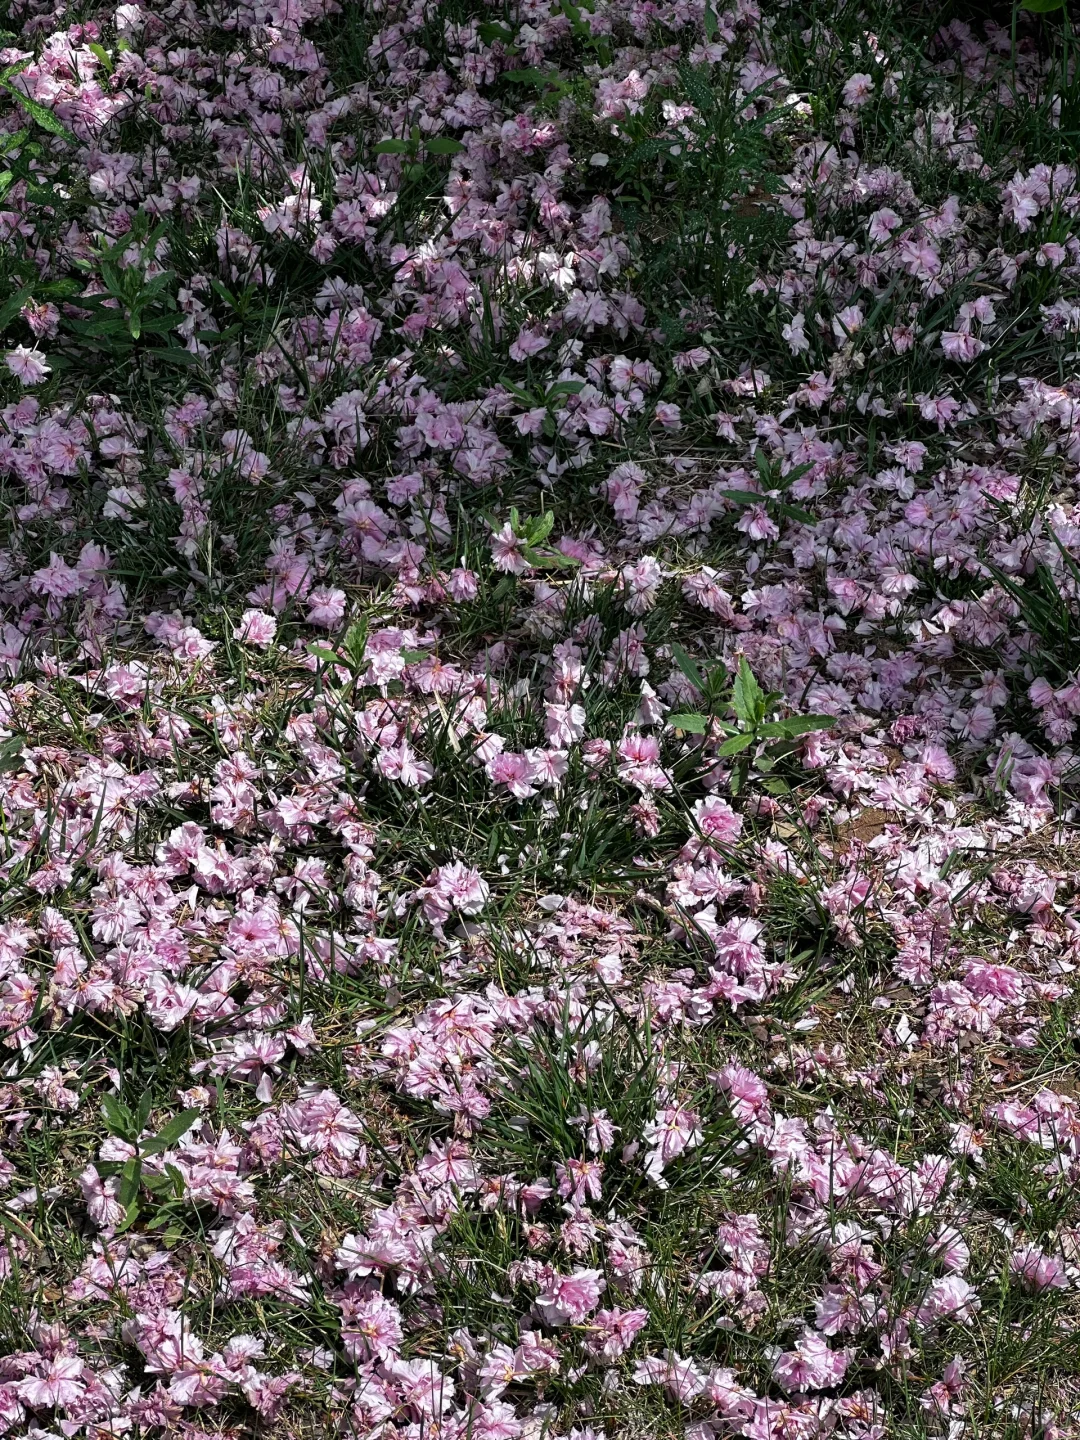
(1042, 7)
(157, 1184)
(142, 1115)
(118, 1118)
(737, 743)
(130, 1217)
(783, 481)
(794, 513)
(168, 355)
(11, 757)
(130, 1180)
(413, 657)
(103, 55)
(392, 147)
(13, 305)
(321, 653)
(743, 497)
(564, 387)
(747, 696)
(688, 668)
(443, 145)
(491, 30)
(803, 724)
(171, 1132)
(356, 642)
(179, 1184)
(710, 22)
(531, 76)
(549, 559)
(540, 528)
(693, 723)
(14, 141)
(42, 116)
(160, 324)
(525, 398)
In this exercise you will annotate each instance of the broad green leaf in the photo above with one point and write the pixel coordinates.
(531, 76)
(392, 147)
(737, 743)
(160, 324)
(747, 696)
(549, 559)
(174, 1128)
(321, 653)
(803, 724)
(13, 304)
(131, 1215)
(103, 55)
(564, 387)
(118, 1117)
(356, 642)
(11, 757)
(525, 398)
(743, 497)
(1042, 7)
(688, 668)
(491, 30)
(794, 513)
(443, 145)
(710, 22)
(692, 722)
(42, 116)
(540, 528)
(130, 1180)
(783, 481)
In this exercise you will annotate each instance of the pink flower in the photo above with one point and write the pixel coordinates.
(564, 725)
(962, 345)
(401, 763)
(1036, 1270)
(452, 887)
(568, 1299)
(529, 342)
(322, 1126)
(371, 1329)
(755, 522)
(612, 1332)
(325, 608)
(857, 90)
(507, 551)
(950, 1298)
(514, 771)
(58, 1385)
(580, 1180)
(256, 627)
(639, 583)
(811, 1365)
(27, 365)
(674, 1130)
(682, 1379)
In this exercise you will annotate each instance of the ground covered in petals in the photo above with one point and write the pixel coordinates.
(540, 588)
